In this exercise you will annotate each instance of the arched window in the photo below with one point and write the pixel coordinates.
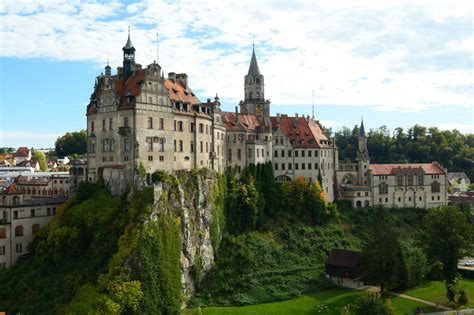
(257, 80)
(19, 231)
(359, 204)
(4, 200)
(3, 233)
(35, 228)
(16, 200)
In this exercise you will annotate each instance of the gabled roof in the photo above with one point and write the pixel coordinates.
(22, 152)
(343, 258)
(392, 169)
(12, 190)
(302, 132)
(457, 176)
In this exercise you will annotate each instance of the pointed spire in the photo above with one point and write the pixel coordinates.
(253, 69)
(362, 130)
(129, 44)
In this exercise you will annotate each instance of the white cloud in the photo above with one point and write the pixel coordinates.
(390, 56)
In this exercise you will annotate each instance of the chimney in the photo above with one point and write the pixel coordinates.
(236, 113)
(119, 71)
(183, 78)
(172, 76)
(278, 119)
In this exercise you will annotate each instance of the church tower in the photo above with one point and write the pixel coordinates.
(363, 159)
(254, 102)
(128, 58)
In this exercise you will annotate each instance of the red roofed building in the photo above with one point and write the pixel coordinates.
(22, 154)
(410, 185)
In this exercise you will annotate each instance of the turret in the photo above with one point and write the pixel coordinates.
(128, 58)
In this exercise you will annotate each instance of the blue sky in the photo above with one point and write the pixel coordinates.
(396, 63)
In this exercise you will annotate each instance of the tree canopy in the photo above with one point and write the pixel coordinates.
(71, 143)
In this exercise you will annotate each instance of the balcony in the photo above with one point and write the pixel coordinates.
(124, 131)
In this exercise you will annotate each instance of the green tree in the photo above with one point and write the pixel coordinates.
(416, 263)
(446, 233)
(41, 158)
(5, 150)
(459, 296)
(71, 143)
(382, 254)
(370, 303)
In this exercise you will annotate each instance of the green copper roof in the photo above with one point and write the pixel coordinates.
(129, 43)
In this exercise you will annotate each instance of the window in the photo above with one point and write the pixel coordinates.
(161, 144)
(2, 250)
(111, 121)
(201, 146)
(296, 166)
(296, 153)
(19, 247)
(192, 127)
(420, 179)
(149, 144)
(309, 153)
(126, 144)
(150, 122)
(276, 166)
(192, 146)
(125, 158)
(239, 154)
(3, 233)
(103, 124)
(92, 126)
(283, 166)
(289, 153)
(229, 154)
(125, 121)
(315, 153)
(162, 158)
(316, 165)
(302, 153)
(150, 158)
(32, 213)
(161, 124)
(276, 153)
(35, 228)
(410, 180)
(54, 211)
(201, 128)
(19, 230)
(309, 164)
(289, 166)
(207, 129)
(399, 180)
(180, 145)
(435, 187)
(383, 188)
(250, 153)
(282, 153)
(175, 146)
(180, 125)
(303, 165)
(207, 147)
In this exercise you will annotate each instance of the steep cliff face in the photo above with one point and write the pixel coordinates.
(190, 197)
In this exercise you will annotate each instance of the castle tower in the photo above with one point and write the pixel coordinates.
(254, 88)
(363, 159)
(128, 58)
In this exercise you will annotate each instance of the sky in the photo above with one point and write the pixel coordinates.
(394, 63)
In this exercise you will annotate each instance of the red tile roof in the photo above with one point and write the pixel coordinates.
(242, 123)
(178, 92)
(302, 132)
(391, 169)
(22, 152)
(12, 190)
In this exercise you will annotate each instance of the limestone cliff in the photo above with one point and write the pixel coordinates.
(191, 197)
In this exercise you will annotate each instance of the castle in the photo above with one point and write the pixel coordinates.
(139, 120)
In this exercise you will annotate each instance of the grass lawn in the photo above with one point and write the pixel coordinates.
(435, 291)
(333, 302)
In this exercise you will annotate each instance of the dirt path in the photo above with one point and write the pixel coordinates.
(442, 307)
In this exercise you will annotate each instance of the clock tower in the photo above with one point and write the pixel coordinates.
(128, 58)
(254, 102)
